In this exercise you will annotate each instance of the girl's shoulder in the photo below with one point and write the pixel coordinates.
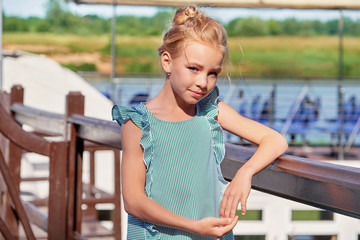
(121, 114)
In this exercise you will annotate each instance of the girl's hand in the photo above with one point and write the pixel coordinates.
(237, 191)
(215, 227)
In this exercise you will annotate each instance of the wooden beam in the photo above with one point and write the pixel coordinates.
(292, 4)
(324, 185)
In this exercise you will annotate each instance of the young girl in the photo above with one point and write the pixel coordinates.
(173, 145)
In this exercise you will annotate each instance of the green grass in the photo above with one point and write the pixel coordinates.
(53, 43)
(251, 56)
(294, 56)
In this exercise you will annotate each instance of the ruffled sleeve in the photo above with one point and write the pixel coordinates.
(139, 116)
(208, 106)
(121, 114)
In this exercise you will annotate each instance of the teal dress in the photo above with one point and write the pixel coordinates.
(182, 166)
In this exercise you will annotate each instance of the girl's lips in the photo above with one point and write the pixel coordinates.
(196, 94)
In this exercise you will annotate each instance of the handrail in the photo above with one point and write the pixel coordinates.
(27, 141)
(97, 130)
(92, 129)
(320, 184)
(42, 121)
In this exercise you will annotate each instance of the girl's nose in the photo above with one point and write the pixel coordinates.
(201, 81)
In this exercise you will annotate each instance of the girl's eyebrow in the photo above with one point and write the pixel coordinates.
(198, 65)
(195, 64)
(218, 70)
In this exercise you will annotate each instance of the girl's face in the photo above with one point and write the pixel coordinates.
(193, 74)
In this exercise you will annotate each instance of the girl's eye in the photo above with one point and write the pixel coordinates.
(192, 69)
(215, 74)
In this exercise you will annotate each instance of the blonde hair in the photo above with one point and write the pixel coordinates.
(191, 24)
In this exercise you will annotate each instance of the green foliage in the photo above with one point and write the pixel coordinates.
(42, 26)
(92, 24)
(130, 51)
(332, 27)
(60, 20)
(356, 28)
(303, 50)
(57, 16)
(247, 27)
(277, 56)
(140, 67)
(142, 26)
(76, 67)
(15, 24)
(275, 27)
(290, 26)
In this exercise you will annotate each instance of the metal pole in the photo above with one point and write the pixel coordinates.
(294, 109)
(340, 88)
(352, 136)
(1, 53)
(113, 51)
(272, 104)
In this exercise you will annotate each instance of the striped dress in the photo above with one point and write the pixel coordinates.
(182, 166)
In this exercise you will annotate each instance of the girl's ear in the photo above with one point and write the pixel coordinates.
(166, 62)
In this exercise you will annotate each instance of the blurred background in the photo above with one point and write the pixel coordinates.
(295, 70)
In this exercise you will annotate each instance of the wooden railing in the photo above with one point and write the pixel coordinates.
(19, 141)
(324, 185)
(66, 189)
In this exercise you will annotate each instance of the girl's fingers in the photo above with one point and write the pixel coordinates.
(243, 206)
(223, 221)
(234, 207)
(227, 209)
(236, 218)
(223, 206)
(229, 205)
(231, 225)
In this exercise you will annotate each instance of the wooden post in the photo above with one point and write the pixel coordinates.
(117, 197)
(4, 143)
(13, 161)
(5, 231)
(74, 105)
(5, 102)
(91, 210)
(16, 96)
(14, 195)
(57, 191)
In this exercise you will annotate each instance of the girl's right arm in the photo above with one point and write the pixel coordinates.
(136, 203)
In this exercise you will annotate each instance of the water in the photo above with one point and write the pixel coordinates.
(242, 92)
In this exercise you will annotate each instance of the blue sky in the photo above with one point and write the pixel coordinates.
(26, 8)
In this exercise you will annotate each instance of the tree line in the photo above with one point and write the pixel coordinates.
(59, 20)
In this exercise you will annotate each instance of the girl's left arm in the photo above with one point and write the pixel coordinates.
(271, 145)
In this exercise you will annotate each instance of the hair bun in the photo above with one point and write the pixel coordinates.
(182, 14)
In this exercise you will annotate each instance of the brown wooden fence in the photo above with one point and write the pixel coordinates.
(67, 192)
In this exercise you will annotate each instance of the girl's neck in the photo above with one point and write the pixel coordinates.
(167, 106)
